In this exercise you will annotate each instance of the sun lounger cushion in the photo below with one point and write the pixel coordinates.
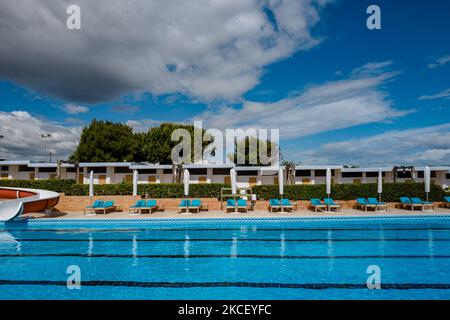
(316, 202)
(196, 203)
(151, 203)
(108, 204)
(419, 201)
(274, 202)
(242, 203)
(374, 201)
(97, 204)
(138, 204)
(361, 201)
(405, 200)
(184, 203)
(329, 202)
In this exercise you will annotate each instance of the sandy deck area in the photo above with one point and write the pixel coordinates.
(252, 214)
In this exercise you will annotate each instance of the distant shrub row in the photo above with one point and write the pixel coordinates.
(391, 191)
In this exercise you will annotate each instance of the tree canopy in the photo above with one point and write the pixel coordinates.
(107, 141)
(251, 149)
(115, 142)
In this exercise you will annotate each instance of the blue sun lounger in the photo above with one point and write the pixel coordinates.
(331, 204)
(406, 203)
(363, 203)
(107, 206)
(379, 205)
(242, 204)
(423, 203)
(274, 204)
(150, 205)
(446, 202)
(233, 205)
(137, 207)
(184, 205)
(195, 205)
(286, 204)
(96, 204)
(316, 204)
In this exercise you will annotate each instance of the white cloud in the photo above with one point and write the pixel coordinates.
(22, 137)
(440, 95)
(74, 109)
(439, 62)
(333, 105)
(428, 145)
(205, 49)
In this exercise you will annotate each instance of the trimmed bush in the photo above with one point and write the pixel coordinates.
(391, 191)
(63, 186)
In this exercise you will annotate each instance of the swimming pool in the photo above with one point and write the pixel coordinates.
(227, 259)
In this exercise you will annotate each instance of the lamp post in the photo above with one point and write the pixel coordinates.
(47, 136)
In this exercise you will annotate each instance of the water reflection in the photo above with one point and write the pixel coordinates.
(234, 249)
(431, 243)
(8, 242)
(330, 250)
(186, 246)
(90, 245)
(134, 251)
(282, 244)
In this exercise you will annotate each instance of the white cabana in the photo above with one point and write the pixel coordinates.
(135, 183)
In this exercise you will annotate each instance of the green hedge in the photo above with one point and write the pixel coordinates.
(163, 190)
(65, 186)
(391, 191)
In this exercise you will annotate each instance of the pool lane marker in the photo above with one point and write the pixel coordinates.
(310, 286)
(207, 256)
(239, 239)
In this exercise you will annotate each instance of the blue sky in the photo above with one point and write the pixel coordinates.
(338, 92)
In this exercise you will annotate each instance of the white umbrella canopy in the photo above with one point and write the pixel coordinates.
(328, 181)
(280, 182)
(380, 182)
(186, 178)
(91, 184)
(233, 181)
(135, 183)
(427, 180)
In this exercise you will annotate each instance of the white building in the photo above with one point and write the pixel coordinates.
(247, 176)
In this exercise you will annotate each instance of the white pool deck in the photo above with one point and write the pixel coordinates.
(251, 214)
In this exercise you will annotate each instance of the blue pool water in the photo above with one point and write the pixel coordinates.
(232, 259)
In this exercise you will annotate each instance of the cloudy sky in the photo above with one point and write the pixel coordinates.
(338, 92)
